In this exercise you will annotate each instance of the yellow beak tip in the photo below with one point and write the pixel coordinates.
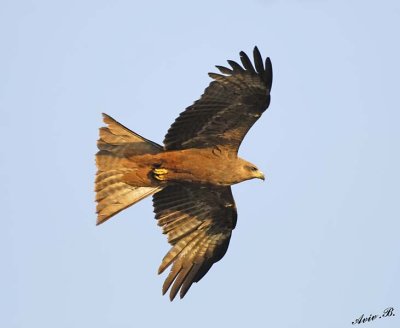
(262, 176)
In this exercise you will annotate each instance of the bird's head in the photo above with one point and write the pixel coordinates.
(252, 171)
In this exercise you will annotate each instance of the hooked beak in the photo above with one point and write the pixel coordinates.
(260, 175)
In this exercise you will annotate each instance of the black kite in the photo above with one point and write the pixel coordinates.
(190, 176)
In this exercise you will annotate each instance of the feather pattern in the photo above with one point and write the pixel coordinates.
(199, 233)
(228, 108)
(116, 143)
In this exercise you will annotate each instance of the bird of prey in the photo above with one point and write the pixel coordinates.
(190, 177)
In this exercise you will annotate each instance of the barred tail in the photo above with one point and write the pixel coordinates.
(115, 144)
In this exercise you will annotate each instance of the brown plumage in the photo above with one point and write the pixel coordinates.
(190, 177)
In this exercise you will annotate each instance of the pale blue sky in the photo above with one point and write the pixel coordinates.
(316, 245)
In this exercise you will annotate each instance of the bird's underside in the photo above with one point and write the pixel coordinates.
(203, 166)
(190, 177)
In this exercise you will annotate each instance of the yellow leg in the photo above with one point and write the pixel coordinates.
(160, 174)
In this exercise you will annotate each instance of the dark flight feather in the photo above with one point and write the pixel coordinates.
(200, 241)
(228, 108)
(224, 70)
(246, 62)
(235, 66)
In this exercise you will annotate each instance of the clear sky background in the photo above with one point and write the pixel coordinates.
(316, 245)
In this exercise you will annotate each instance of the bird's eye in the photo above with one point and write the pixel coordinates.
(252, 168)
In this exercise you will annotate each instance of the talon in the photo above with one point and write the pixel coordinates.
(160, 174)
(160, 171)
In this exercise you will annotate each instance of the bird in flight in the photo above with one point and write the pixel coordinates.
(190, 177)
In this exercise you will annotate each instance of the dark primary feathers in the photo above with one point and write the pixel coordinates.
(198, 221)
(230, 105)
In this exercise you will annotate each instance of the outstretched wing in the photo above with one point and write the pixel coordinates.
(198, 221)
(229, 107)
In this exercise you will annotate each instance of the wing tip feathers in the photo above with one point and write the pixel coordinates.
(256, 67)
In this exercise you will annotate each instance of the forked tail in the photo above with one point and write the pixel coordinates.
(116, 143)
